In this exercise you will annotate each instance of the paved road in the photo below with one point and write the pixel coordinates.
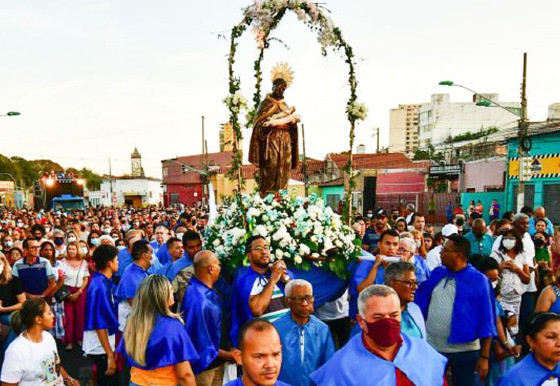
(75, 363)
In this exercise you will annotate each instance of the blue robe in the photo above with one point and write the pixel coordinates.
(318, 348)
(100, 310)
(239, 382)
(528, 372)
(178, 266)
(203, 322)
(154, 244)
(130, 281)
(155, 267)
(168, 345)
(474, 310)
(355, 365)
(326, 285)
(163, 254)
(241, 291)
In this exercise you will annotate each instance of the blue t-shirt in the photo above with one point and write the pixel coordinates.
(34, 277)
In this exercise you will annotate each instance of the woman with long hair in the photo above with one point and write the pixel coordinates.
(48, 251)
(76, 280)
(540, 367)
(419, 240)
(32, 358)
(155, 342)
(11, 299)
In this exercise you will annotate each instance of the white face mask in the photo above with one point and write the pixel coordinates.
(121, 247)
(494, 284)
(71, 239)
(106, 230)
(508, 244)
(84, 250)
(179, 235)
(418, 243)
(9, 244)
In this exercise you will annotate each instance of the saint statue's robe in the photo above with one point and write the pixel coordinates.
(273, 148)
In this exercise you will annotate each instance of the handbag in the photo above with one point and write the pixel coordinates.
(63, 293)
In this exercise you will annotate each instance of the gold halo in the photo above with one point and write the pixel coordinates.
(282, 71)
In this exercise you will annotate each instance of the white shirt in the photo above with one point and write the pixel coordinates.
(337, 309)
(74, 276)
(124, 310)
(92, 345)
(433, 260)
(29, 363)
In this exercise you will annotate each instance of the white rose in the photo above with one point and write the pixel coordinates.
(279, 253)
(298, 260)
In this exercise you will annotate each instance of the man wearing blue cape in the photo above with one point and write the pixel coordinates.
(201, 310)
(131, 279)
(307, 343)
(175, 248)
(259, 292)
(100, 318)
(381, 355)
(458, 305)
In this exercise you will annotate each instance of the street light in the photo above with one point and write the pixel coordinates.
(10, 114)
(524, 145)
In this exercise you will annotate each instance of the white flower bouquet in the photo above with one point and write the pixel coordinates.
(301, 231)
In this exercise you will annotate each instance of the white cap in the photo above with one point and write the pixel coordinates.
(449, 230)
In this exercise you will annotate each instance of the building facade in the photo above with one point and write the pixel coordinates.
(403, 129)
(442, 119)
(129, 191)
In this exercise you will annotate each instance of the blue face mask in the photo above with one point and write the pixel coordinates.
(95, 242)
(121, 247)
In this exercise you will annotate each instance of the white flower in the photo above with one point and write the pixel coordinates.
(279, 253)
(304, 250)
(356, 111)
(314, 239)
(298, 260)
(315, 255)
(216, 242)
(260, 230)
(253, 212)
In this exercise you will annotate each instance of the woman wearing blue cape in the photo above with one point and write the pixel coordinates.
(156, 344)
(540, 367)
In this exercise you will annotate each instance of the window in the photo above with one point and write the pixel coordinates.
(165, 171)
(551, 202)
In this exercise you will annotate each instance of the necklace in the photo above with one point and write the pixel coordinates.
(29, 338)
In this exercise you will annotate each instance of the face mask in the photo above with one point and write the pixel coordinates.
(384, 332)
(539, 243)
(58, 241)
(370, 215)
(106, 230)
(47, 230)
(179, 235)
(19, 224)
(418, 243)
(494, 284)
(121, 247)
(125, 227)
(508, 244)
(71, 239)
(84, 250)
(9, 244)
(153, 259)
(94, 242)
(514, 330)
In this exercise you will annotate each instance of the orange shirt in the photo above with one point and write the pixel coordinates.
(160, 376)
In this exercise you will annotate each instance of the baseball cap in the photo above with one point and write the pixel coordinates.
(449, 230)
(380, 212)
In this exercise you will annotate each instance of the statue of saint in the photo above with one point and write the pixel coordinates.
(274, 142)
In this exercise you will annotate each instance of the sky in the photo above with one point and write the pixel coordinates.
(94, 79)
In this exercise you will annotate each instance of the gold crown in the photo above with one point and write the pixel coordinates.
(282, 71)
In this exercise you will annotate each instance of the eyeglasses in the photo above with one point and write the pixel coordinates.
(300, 299)
(409, 284)
(260, 249)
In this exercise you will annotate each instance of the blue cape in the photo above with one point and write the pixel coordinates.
(163, 254)
(474, 310)
(528, 372)
(241, 291)
(125, 259)
(168, 345)
(130, 281)
(318, 348)
(203, 322)
(353, 364)
(100, 311)
(326, 285)
(178, 266)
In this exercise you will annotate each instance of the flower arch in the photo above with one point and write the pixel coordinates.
(263, 17)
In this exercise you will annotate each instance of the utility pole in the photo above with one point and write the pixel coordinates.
(377, 135)
(305, 178)
(203, 163)
(522, 133)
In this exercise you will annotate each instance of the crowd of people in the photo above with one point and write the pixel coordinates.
(135, 292)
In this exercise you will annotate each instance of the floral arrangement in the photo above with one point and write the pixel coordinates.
(301, 231)
(263, 17)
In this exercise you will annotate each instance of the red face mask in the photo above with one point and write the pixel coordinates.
(384, 332)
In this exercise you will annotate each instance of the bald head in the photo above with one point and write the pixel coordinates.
(206, 267)
(540, 212)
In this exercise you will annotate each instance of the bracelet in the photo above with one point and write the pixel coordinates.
(484, 357)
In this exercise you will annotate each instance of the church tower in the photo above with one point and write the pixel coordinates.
(136, 160)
